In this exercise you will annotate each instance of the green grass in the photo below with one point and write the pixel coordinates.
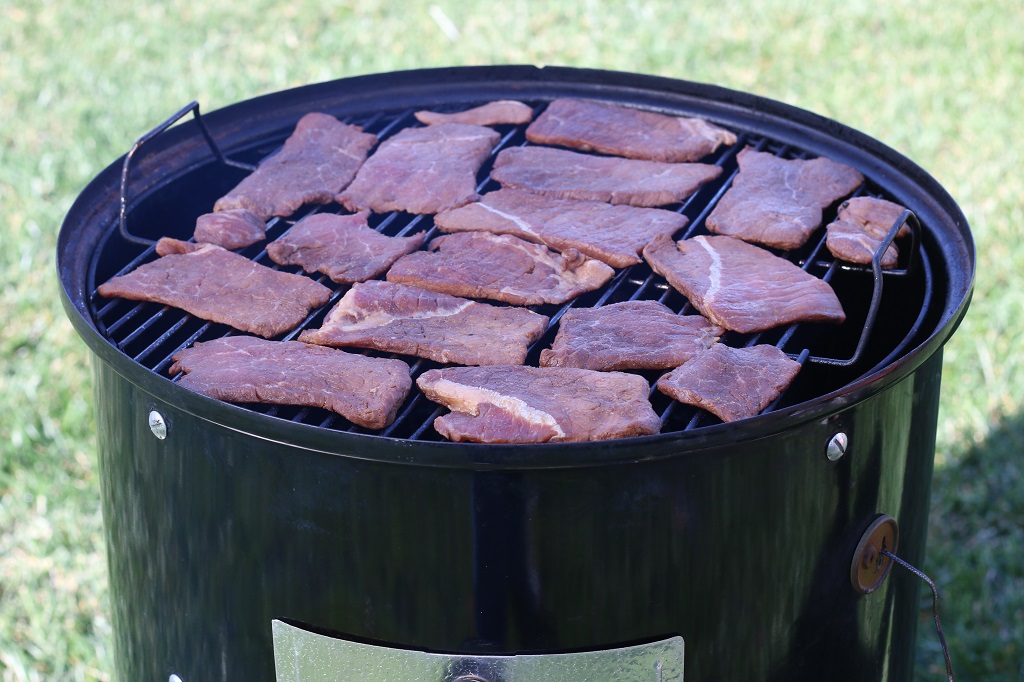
(79, 82)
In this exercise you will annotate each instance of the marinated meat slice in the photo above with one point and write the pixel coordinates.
(397, 318)
(243, 369)
(233, 228)
(490, 114)
(317, 161)
(518, 404)
(860, 227)
(422, 170)
(612, 234)
(343, 247)
(622, 131)
(221, 286)
(778, 202)
(731, 383)
(628, 335)
(500, 267)
(740, 286)
(571, 175)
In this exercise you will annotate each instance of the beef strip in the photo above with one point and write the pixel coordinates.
(221, 286)
(588, 125)
(500, 267)
(243, 369)
(731, 383)
(628, 335)
(740, 286)
(493, 113)
(422, 170)
(398, 318)
(317, 161)
(518, 404)
(612, 234)
(233, 228)
(343, 247)
(860, 227)
(572, 175)
(778, 202)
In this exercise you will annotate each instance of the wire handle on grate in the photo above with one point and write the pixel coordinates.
(935, 607)
(906, 217)
(193, 107)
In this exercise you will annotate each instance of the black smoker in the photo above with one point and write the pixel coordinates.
(249, 542)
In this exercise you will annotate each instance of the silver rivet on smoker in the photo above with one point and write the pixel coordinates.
(159, 428)
(173, 677)
(837, 447)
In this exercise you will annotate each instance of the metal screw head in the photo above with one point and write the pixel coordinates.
(157, 425)
(837, 447)
(173, 677)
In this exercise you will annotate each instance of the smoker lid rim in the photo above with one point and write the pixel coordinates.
(761, 115)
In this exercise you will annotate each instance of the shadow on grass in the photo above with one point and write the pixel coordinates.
(975, 555)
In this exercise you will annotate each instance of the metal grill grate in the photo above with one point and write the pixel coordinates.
(877, 330)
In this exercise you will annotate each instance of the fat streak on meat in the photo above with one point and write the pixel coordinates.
(398, 318)
(500, 267)
(740, 286)
(609, 233)
(243, 369)
(607, 128)
(520, 404)
(318, 160)
(564, 174)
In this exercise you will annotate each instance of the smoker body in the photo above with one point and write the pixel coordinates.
(739, 538)
(742, 548)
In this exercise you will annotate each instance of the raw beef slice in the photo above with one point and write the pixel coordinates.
(778, 202)
(318, 160)
(518, 404)
(740, 286)
(731, 383)
(860, 227)
(243, 369)
(588, 125)
(397, 318)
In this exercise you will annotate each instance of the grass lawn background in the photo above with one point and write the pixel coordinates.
(79, 82)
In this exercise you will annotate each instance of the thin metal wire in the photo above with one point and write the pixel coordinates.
(935, 608)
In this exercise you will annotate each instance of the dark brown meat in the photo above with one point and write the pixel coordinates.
(731, 383)
(779, 202)
(343, 247)
(612, 234)
(517, 404)
(501, 268)
(622, 131)
(397, 318)
(860, 227)
(740, 286)
(233, 228)
(221, 286)
(490, 114)
(628, 335)
(243, 369)
(319, 160)
(422, 170)
(571, 175)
